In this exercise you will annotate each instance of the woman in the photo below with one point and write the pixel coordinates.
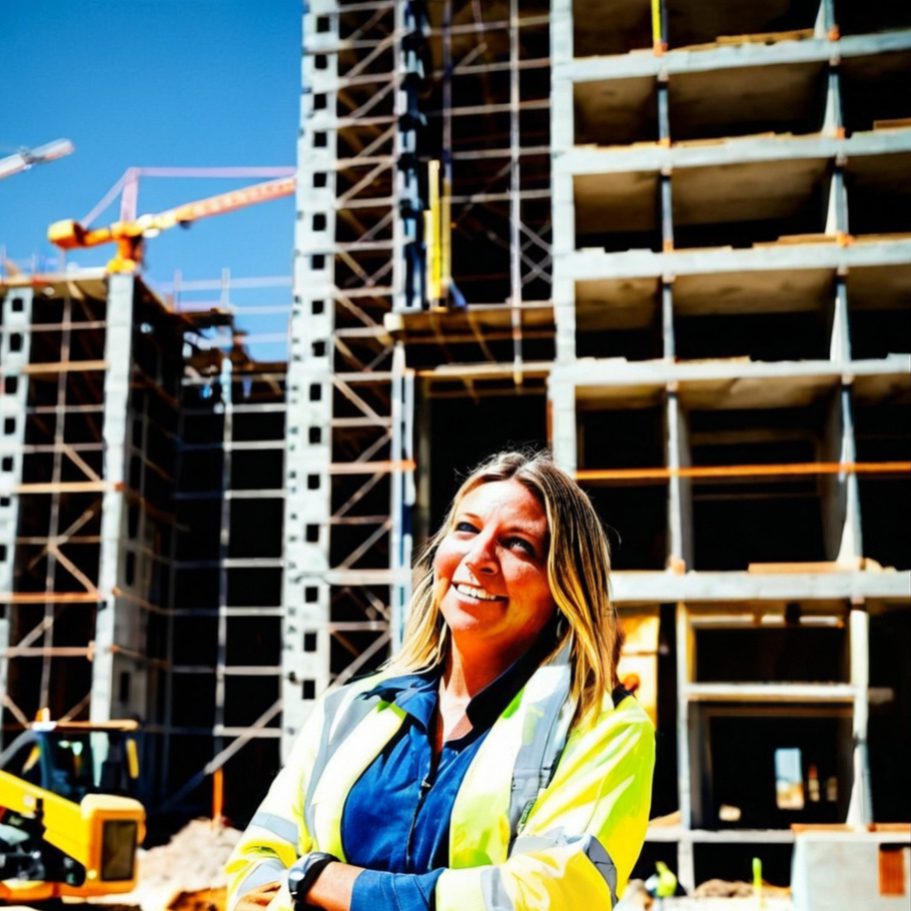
(494, 763)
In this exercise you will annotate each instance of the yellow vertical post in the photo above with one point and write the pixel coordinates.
(432, 234)
(657, 34)
(446, 239)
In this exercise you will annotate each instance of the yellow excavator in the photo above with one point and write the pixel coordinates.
(70, 822)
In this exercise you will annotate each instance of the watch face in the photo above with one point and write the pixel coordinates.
(296, 876)
(303, 874)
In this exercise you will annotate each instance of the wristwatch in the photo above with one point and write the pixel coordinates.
(303, 874)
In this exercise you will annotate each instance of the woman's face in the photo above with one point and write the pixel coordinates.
(492, 566)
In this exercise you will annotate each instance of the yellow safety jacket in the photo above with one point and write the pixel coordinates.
(548, 815)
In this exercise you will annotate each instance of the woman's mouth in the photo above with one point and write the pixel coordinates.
(477, 593)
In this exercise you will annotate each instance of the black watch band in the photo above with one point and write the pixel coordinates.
(303, 874)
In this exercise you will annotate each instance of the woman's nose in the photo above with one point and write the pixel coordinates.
(480, 558)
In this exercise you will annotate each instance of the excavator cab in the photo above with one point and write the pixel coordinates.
(70, 822)
(76, 759)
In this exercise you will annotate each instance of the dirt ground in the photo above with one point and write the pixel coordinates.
(186, 874)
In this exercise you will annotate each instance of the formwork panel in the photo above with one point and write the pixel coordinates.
(618, 212)
(617, 29)
(619, 318)
(711, 104)
(616, 111)
(695, 22)
(739, 205)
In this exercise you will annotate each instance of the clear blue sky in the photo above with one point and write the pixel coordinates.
(182, 83)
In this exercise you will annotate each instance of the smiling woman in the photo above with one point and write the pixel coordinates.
(495, 763)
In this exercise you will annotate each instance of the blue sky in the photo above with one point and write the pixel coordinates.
(167, 83)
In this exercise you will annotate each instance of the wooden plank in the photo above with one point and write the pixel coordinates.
(64, 367)
(820, 566)
(741, 471)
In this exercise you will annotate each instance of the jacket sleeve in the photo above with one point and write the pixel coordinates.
(277, 835)
(583, 835)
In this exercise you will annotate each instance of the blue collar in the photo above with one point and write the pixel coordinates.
(416, 693)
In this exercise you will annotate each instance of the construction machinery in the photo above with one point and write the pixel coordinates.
(130, 234)
(70, 822)
(24, 159)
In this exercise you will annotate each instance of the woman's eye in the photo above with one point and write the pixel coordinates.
(521, 544)
(465, 526)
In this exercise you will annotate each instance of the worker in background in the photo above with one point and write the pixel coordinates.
(494, 763)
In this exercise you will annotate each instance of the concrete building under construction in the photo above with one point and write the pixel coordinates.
(670, 240)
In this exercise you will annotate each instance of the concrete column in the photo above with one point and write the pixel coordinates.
(305, 591)
(561, 400)
(113, 620)
(680, 490)
(562, 137)
(15, 344)
(860, 806)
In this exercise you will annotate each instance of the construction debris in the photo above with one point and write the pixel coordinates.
(186, 874)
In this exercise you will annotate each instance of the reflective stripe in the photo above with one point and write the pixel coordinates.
(266, 871)
(283, 828)
(496, 898)
(342, 714)
(549, 719)
(604, 864)
(362, 745)
(591, 847)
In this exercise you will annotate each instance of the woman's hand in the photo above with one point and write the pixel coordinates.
(258, 898)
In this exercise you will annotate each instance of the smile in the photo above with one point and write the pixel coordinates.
(478, 593)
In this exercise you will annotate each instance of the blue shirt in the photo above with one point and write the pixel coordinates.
(395, 821)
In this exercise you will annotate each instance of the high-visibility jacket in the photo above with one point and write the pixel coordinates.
(549, 815)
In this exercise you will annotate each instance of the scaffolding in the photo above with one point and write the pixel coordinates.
(668, 239)
(135, 431)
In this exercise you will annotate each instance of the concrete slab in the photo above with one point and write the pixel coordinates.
(749, 191)
(613, 199)
(646, 157)
(596, 264)
(733, 56)
(880, 287)
(617, 303)
(726, 588)
(699, 21)
(789, 97)
(770, 291)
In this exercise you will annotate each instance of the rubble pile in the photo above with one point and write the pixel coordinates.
(191, 862)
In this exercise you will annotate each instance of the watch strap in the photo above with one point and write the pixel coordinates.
(303, 874)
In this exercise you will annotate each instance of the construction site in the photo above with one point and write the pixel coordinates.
(671, 241)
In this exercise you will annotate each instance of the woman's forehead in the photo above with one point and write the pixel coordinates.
(508, 500)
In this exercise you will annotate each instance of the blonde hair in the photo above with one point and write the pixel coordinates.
(578, 572)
